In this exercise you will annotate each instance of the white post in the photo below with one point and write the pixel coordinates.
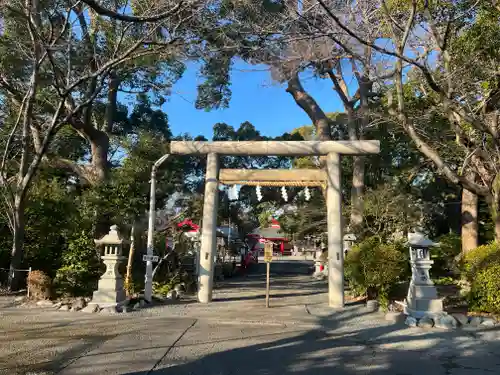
(148, 280)
(208, 230)
(334, 222)
(28, 284)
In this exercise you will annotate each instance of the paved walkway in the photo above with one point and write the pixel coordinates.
(299, 335)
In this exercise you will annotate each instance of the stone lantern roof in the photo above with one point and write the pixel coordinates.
(419, 239)
(112, 238)
(350, 237)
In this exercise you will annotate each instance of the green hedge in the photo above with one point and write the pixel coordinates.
(81, 267)
(479, 258)
(481, 267)
(372, 268)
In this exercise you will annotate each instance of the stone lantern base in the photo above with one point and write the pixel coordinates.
(111, 290)
(422, 300)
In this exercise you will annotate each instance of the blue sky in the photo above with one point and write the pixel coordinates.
(255, 98)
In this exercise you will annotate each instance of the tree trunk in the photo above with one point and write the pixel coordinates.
(99, 148)
(357, 194)
(320, 121)
(469, 220)
(308, 104)
(497, 228)
(17, 246)
(495, 215)
(359, 165)
(98, 175)
(494, 203)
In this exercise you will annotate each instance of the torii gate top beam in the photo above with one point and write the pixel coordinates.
(275, 148)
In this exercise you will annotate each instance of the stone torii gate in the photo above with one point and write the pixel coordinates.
(331, 149)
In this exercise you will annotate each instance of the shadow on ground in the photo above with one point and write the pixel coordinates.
(392, 349)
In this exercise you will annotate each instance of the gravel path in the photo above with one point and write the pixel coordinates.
(236, 334)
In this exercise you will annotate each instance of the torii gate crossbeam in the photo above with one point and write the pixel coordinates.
(332, 150)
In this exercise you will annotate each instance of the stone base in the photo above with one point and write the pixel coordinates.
(107, 298)
(422, 292)
(425, 307)
(422, 300)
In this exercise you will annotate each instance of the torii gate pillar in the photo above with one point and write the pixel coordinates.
(334, 224)
(209, 230)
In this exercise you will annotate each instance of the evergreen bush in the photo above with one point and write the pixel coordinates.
(372, 268)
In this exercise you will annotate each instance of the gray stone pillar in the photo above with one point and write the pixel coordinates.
(334, 223)
(209, 230)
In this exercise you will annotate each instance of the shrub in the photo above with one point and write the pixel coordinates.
(39, 285)
(163, 288)
(372, 267)
(481, 268)
(81, 268)
(478, 259)
(485, 290)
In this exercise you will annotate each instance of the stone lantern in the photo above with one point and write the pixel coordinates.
(422, 296)
(349, 241)
(110, 291)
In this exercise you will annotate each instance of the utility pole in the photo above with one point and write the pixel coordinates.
(148, 280)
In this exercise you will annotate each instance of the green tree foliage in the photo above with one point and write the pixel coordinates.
(81, 267)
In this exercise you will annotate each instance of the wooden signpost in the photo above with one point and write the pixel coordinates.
(268, 258)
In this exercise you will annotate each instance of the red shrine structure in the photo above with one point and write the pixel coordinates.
(259, 236)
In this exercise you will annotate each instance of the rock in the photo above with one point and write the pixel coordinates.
(78, 304)
(19, 299)
(180, 289)
(45, 303)
(426, 322)
(320, 276)
(64, 308)
(476, 321)
(488, 322)
(110, 310)
(462, 319)
(92, 308)
(411, 321)
(446, 322)
(395, 317)
(172, 295)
